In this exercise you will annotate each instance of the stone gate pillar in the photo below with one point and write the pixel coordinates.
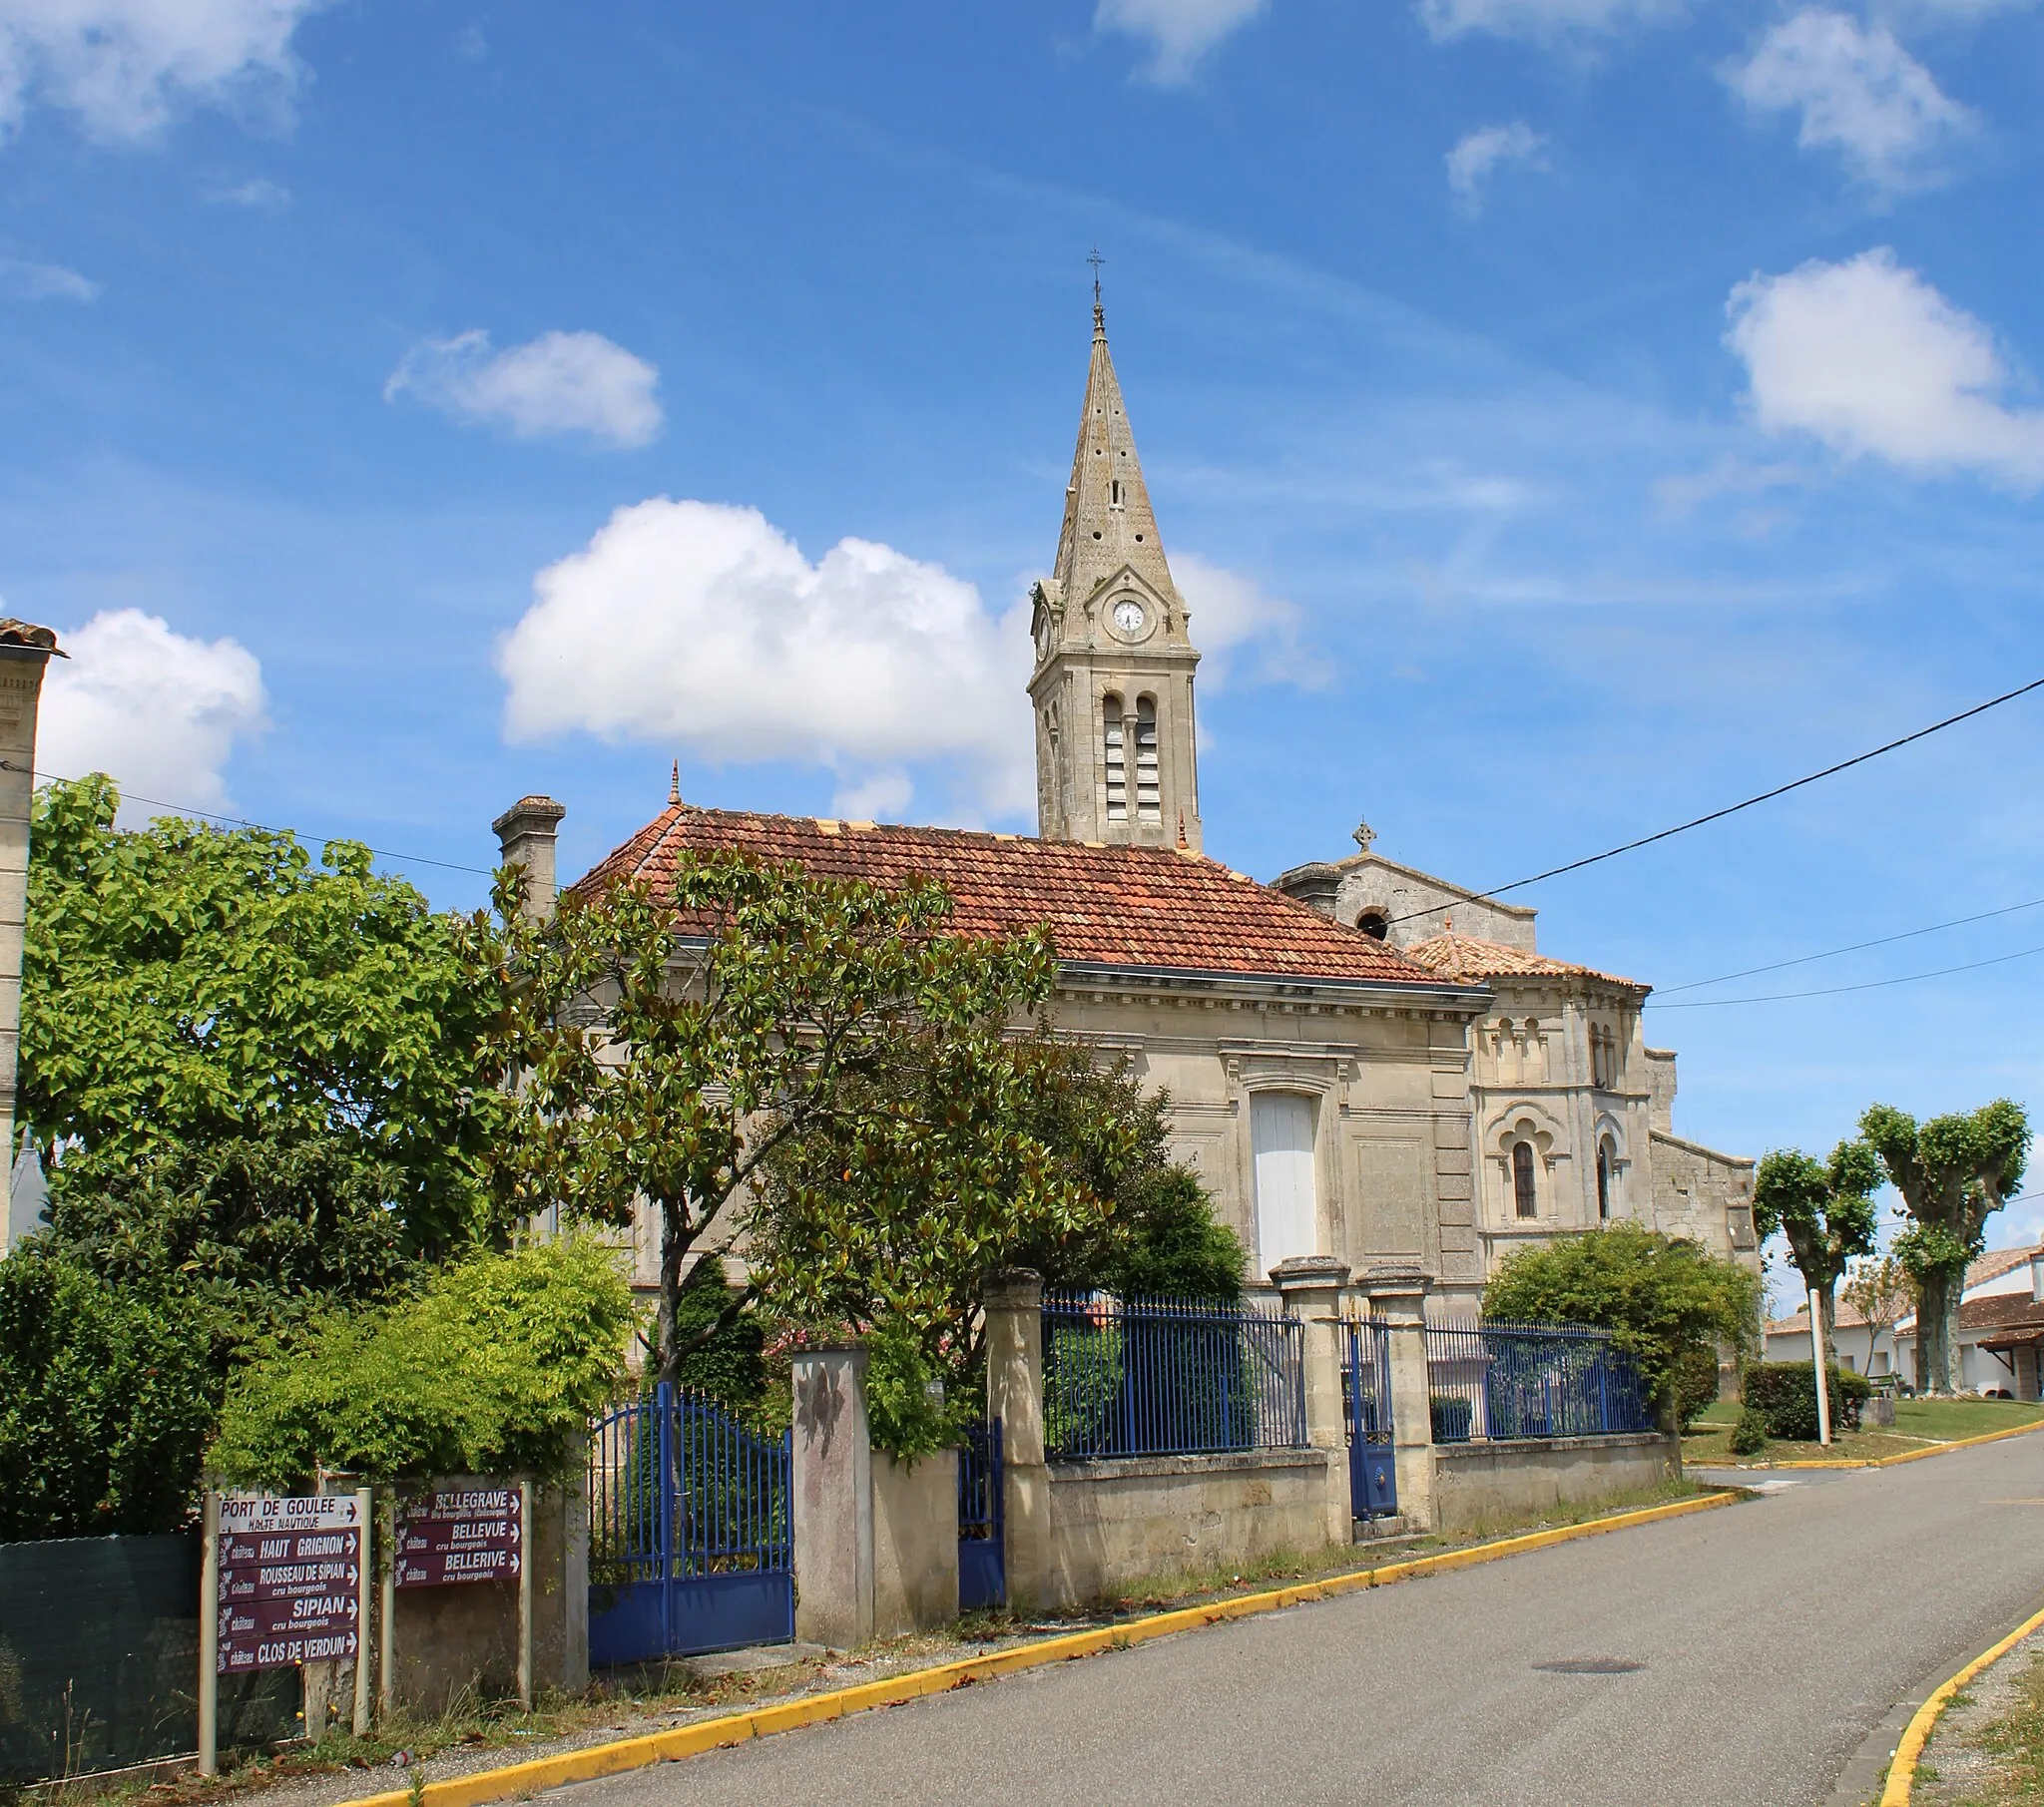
(1314, 1288)
(1397, 1295)
(1013, 1301)
(833, 1499)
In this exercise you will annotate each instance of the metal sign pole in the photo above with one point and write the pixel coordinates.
(525, 1543)
(209, 1641)
(366, 1500)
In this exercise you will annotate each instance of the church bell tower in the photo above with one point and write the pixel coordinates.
(1113, 683)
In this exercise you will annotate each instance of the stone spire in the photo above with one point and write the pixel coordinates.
(1108, 523)
(1116, 752)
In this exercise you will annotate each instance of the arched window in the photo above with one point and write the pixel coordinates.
(1288, 1202)
(1523, 1200)
(1377, 925)
(1149, 801)
(1604, 1190)
(1112, 757)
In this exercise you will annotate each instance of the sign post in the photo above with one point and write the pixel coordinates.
(209, 1641)
(281, 1585)
(364, 1500)
(525, 1606)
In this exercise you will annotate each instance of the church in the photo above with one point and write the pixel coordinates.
(1360, 1060)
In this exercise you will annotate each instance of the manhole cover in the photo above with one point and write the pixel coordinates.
(1590, 1666)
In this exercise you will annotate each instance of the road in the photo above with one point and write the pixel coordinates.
(1773, 1637)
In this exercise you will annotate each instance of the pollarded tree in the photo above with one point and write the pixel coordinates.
(1953, 1173)
(1824, 1211)
(662, 1046)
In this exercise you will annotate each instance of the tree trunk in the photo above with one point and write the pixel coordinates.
(1828, 1310)
(1937, 1318)
(673, 1244)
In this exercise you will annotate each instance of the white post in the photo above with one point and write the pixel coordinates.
(526, 1540)
(366, 1503)
(1817, 1361)
(209, 1641)
(387, 1611)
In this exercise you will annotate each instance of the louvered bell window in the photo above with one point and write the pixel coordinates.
(1112, 757)
(1149, 801)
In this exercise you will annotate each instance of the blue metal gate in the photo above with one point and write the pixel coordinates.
(691, 1532)
(1366, 1407)
(982, 1521)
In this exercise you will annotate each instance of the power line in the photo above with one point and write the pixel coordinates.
(1718, 815)
(1833, 991)
(241, 821)
(1832, 953)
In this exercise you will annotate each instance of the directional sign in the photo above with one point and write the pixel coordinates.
(472, 1536)
(289, 1574)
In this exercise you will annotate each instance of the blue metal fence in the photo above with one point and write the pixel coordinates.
(1506, 1381)
(982, 1520)
(691, 1532)
(1167, 1377)
(1366, 1416)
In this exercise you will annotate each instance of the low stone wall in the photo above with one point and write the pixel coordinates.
(1480, 1484)
(1115, 1523)
(915, 1542)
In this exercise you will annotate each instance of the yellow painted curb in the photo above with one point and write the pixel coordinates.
(625, 1754)
(1901, 1456)
(1916, 1734)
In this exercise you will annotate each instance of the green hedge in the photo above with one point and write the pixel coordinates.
(1784, 1394)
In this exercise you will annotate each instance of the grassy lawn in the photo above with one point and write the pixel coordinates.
(1917, 1421)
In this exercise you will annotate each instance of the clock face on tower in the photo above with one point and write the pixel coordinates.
(1129, 617)
(1046, 634)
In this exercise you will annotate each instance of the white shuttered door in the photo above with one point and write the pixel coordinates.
(1287, 1213)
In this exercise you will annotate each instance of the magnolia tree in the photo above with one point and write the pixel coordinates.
(1824, 1211)
(1953, 1173)
(664, 1048)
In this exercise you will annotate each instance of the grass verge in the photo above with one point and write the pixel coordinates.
(1919, 1423)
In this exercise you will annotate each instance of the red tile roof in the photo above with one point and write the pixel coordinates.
(1468, 957)
(1111, 906)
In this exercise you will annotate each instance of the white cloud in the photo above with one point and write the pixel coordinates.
(1860, 93)
(260, 193)
(1539, 19)
(1180, 32)
(158, 712)
(701, 626)
(1233, 617)
(22, 280)
(1472, 160)
(560, 383)
(127, 67)
(1871, 359)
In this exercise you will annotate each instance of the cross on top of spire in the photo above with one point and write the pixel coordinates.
(1099, 312)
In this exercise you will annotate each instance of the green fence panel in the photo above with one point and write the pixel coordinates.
(98, 1659)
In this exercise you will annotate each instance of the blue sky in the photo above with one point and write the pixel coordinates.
(1566, 416)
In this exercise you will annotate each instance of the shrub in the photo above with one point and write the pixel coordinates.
(106, 1397)
(1661, 1296)
(1749, 1434)
(493, 1369)
(1784, 1394)
(1854, 1389)
(1452, 1415)
(1697, 1379)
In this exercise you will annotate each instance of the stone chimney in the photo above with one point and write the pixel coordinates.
(526, 833)
(25, 653)
(1316, 886)
(2036, 1286)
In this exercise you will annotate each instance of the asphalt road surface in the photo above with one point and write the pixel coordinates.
(1773, 1637)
